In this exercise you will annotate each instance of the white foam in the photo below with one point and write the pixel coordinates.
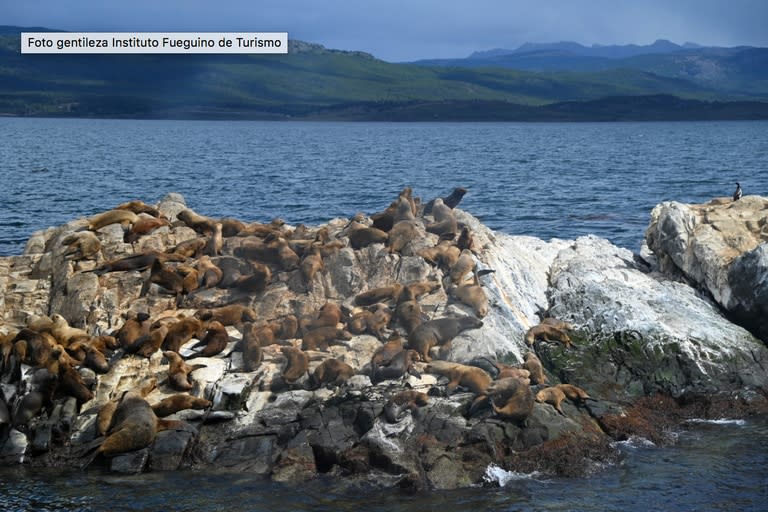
(494, 474)
(720, 421)
(635, 442)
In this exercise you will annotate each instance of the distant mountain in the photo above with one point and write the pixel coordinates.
(316, 82)
(660, 46)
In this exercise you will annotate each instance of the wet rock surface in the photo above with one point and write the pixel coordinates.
(648, 350)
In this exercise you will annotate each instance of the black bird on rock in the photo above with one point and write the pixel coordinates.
(737, 194)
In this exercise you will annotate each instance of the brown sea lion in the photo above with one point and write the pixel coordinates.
(558, 324)
(255, 282)
(191, 248)
(251, 345)
(321, 338)
(95, 360)
(439, 332)
(371, 322)
(331, 371)
(231, 227)
(408, 313)
(233, 314)
(521, 374)
(179, 402)
(380, 294)
(311, 265)
(104, 417)
(201, 224)
(533, 365)
(445, 220)
(553, 396)
(32, 347)
(136, 206)
(401, 234)
(473, 295)
(384, 354)
(215, 340)
(547, 333)
(190, 278)
(465, 264)
(403, 401)
(210, 275)
(452, 200)
(71, 383)
(134, 328)
(574, 393)
(297, 364)
(137, 262)
(445, 254)
(361, 235)
(475, 379)
(179, 370)
(215, 241)
(150, 343)
(144, 226)
(166, 278)
(466, 240)
(400, 364)
(124, 217)
(511, 399)
(419, 288)
(182, 331)
(64, 333)
(134, 426)
(329, 315)
(83, 245)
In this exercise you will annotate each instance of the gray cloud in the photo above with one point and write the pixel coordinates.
(399, 30)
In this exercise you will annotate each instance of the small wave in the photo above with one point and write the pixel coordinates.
(635, 442)
(494, 474)
(720, 421)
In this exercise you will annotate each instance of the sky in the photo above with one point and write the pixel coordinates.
(402, 30)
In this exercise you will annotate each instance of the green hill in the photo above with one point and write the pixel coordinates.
(309, 82)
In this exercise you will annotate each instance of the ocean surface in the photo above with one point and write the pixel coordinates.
(546, 180)
(543, 179)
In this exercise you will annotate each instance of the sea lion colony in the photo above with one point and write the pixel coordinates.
(215, 280)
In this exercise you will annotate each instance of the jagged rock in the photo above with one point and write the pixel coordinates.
(637, 334)
(721, 247)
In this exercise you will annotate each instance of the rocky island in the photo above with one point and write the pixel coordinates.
(411, 347)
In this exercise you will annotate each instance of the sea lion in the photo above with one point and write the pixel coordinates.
(574, 393)
(231, 227)
(71, 383)
(150, 343)
(179, 402)
(558, 324)
(123, 217)
(32, 347)
(475, 379)
(83, 245)
(215, 241)
(201, 224)
(401, 234)
(136, 206)
(511, 399)
(144, 226)
(95, 360)
(191, 248)
(439, 332)
(463, 266)
(466, 240)
(380, 294)
(297, 364)
(547, 333)
(140, 261)
(104, 417)
(329, 315)
(28, 407)
(215, 340)
(403, 401)
(371, 322)
(553, 396)
(473, 295)
(445, 220)
(134, 426)
(361, 236)
(233, 314)
(190, 278)
(400, 364)
(209, 274)
(179, 370)
(166, 278)
(445, 254)
(521, 374)
(255, 282)
(384, 354)
(64, 333)
(182, 331)
(134, 327)
(331, 371)
(408, 312)
(311, 265)
(251, 346)
(533, 365)
(321, 338)
(289, 327)
(419, 288)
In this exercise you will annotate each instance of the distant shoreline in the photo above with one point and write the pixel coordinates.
(612, 109)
